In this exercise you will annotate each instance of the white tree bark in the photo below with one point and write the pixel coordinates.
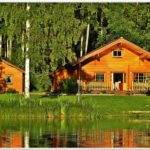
(79, 77)
(87, 38)
(22, 45)
(9, 48)
(26, 140)
(27, 60)
(81, 50)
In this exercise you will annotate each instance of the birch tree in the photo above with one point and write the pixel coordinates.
(27, 59)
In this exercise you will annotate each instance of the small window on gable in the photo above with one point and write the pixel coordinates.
(117, 53)
(99, 77)
(8, 79)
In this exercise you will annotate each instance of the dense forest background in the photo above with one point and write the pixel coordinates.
(61, 32)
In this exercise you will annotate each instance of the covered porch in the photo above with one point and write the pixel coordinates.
(106, 87)
(118, 81)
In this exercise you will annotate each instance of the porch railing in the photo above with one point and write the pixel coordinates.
(140, 86)
(95, 86)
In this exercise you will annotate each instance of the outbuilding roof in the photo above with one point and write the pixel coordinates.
(10, 64)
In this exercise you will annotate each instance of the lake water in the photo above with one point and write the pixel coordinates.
(75, 133)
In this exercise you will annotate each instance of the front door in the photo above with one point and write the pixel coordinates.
(118, 80)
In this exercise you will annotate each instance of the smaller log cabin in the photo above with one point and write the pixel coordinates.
(117, 66)
(11, 77)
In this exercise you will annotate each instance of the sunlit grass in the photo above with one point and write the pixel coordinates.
(14, 105)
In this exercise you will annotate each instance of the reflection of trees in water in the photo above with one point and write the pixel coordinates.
(66, 133)
(54, 140)
(57, 138)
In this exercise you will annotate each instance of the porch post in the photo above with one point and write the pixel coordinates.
(128, 76)
(112, 81)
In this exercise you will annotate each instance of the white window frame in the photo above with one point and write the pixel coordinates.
(100, 73)
(117, 53)
(138, 78)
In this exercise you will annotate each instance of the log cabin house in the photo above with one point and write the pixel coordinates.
(11, 77)
(117, 66)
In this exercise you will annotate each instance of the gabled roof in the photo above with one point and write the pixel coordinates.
(119, 42)
(8, 63)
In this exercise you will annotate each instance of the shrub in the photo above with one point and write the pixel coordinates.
(11, 90)
(40, 81)
(69, 85)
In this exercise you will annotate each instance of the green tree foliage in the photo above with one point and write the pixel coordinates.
(128, 20)
(52, 36)
(56, 30)
(69, 86)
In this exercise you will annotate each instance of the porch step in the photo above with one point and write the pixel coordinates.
(120, 93)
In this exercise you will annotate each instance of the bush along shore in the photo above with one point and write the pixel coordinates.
(14, 105)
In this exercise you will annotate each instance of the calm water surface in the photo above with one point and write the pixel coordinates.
(74, 133)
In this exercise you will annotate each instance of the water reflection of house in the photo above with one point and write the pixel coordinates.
(116, 138)
(101, 138)
(127, 138)
(96, 139)
(61, 140)
(57, 141)
(11, 140)
(142, 139)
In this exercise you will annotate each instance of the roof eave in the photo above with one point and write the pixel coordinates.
(21, 70)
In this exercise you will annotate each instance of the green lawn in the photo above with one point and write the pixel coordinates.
(68, 106)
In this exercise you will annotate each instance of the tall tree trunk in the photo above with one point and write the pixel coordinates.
(81, 50)
(79, 76)
(6, 49)
(101, 24)
(0, 45)
(87, 38)
(27, 60)
(9, 48)
(26, 140)
(22, 45)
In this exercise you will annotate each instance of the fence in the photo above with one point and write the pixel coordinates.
(140, 86)
(96, 86)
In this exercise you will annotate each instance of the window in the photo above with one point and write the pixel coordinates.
(117, 53)
(100, 77)
(8, 79)
(140, 77)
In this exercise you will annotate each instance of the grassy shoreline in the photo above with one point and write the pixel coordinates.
(14, 105)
